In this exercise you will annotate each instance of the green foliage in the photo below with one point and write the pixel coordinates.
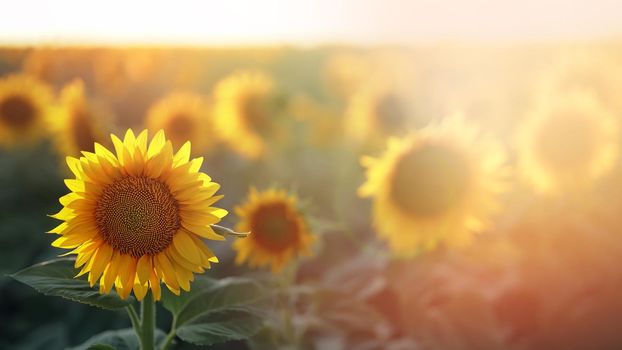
(123, 339)
(49, 336)
(225, 231)
(217, 327)
(55, 278)
(218, 310)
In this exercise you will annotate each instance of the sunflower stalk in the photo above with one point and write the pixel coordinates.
(286, 282)
(147, 324)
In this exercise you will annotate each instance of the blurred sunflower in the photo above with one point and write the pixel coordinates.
(59, 65)
(344, 72)
(324, 124)
(243, 112)
(136, 218)
(279, 231)
(438, 185)
(377, 112)
(567, 143)
(117, 71)
(77, 123)
(24, 106)
(183, 116)
(597, 72)
(347, 72)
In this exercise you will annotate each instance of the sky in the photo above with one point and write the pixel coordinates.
(236, 22)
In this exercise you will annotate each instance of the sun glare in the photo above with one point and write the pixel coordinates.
(238, 22)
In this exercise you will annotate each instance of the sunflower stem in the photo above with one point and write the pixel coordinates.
(147, 314)
(171, 335)
(287, 280)
(134, 318)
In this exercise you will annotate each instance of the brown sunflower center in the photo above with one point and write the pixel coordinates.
(17, 112)
(82, 131)
(567, 143)
(429, 180)
(391, 114)
(256, 114)
(274, 227)
(180, 127)
(137, 216)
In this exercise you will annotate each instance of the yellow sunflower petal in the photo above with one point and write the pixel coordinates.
(144, 268)
(165, 267)
(204, 231)
(186, 248)
(110, 274)
(183, 155)
(140, 290)
(101, 259)
(154, 284)
(156, 144)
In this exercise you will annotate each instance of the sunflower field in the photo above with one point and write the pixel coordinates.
(335, 197)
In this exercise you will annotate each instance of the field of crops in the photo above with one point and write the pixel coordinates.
(425, 197)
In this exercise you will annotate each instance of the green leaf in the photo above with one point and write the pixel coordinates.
(218, 310)
(55, 278)
(219, 327)
(210, 295)
(225, 231)
(122, 339)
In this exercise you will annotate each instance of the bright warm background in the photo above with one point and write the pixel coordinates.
(545, 275)
(300, 22)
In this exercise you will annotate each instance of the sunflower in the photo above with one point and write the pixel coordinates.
(568, 142)
(59, 65)
(78, 122)
(345, 72)
(438, 185)
(279, 231)
(24, 106)
(137, 218)
(117, 71)
(377, 112)
(323, 122)
(595, 71)
(242, 109)
(183, 116)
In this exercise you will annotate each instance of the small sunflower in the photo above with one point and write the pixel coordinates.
(183, 116)
(279, 231)
(137, 218)
(345, 72)
(323, 122)
(117, 71)
(377, 112)
(78, 122)
(438, 185)
(597, 72)
(243, 103)
(59, 65)
(568, 142)
(24, 106)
